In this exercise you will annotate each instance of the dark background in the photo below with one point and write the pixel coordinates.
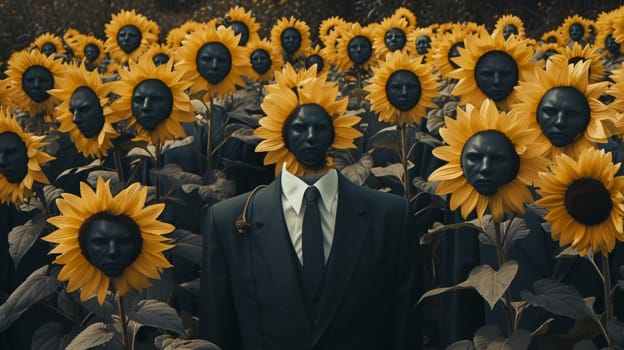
(23, 20)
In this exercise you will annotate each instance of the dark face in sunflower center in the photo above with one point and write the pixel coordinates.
(489, 161)
(13, 157)
(315, 59)
(160, 59)
(152, 103)
(214, 62)
(360, 49)
(308, 134)
(291, 40)
(394, 39)
(240, 28)
(403, 90)
(576, 32)
(91, 52)
(111, 243)
(509, 30)
(611, 45)
(563, 114)
(551, 39)
(588, 201)
(423, 44)
(261, 61)
(48, 49)
(454, 52)
(36, 81)
(129, 38)
(496, 74)
(87, 114)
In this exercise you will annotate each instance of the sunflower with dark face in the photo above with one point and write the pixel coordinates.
(444, 49)
(510, 25)
(327, 26)
(408, 16)
(30, 76)
(154, 99)
(125, 215)
(265, 60)
(543, 96)
(292, 36)
(243, 23)
(160, 54)
(212, 61)
(419, 42)
(401, 89)
(514, 160)
(84, 113)
(390, 35)
(128, 35)
(490, 67)
(178, 34)
(290, 77)
(584, 201)
(355, 47)
(90, 50)
(49, 44)
(21, 157)
(571, 55)
(283, 102)
(574, 24)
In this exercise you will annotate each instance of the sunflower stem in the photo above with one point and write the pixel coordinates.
(358, 86)
(118, 166)
(404, 159)
(158, 166)
(608, 299)
(209, 137)
(44, 203)
(500, 255)
(122, 316)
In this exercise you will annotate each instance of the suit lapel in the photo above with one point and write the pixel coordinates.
(273, 242)
(350, 234)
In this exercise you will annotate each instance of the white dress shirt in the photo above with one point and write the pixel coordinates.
(293, 204)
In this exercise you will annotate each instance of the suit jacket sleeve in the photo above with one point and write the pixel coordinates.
(218, 321)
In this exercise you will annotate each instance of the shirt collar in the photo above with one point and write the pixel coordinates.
(293, 188)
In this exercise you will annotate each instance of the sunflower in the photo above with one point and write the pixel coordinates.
(531, 92)
(476, 48)
(15, 192)
(408, 16)
(222, 37)
(75, 211)
(89, 41)
(412, 38)
(445, 42)
(147, 29)
(577, 52)
(329, 25)
(178, 34)
(564, 28)
(282, 101)
(584, 201)
(315, 55)
(290, 77)
(160, 53)
(301, 27)
(510, 197)
(50, 43)
(164, 76)
(75, 77)
(512, 20)
(72, 38)
(396, 24)
(347, 34)
(380, 103)
(272, 52)
(553, 37)
(24, 62)
(330, 49)
(238, 15)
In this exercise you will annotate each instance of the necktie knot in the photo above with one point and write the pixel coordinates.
(311, 194)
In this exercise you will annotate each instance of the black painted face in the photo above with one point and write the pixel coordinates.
(394, 39)
(360, 49)
(48, 49)
(576, 32)
(291, 40)
(13, 157)
(315, 59)
(308, 134)
(91, 52)
(160, 59)
(110, 243)
(261, 61)
(152, 103)
(489, 161)
(496, 74)
(611, 45)
(36, 81)
(454, 52)
(214, 62)
(403, 90)
(129, 38)
(423, 44)
(509, 30)
(87, 112)
(563, 114)
(240, 28)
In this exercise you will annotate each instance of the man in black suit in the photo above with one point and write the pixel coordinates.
(260, 287)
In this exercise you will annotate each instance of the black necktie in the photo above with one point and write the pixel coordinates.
(313, 257)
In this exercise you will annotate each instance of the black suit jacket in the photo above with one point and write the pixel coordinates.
(250, 293)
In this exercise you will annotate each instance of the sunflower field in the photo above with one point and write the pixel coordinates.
(499, 123)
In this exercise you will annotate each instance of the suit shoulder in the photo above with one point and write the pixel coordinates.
(378, 197)
(230, 206)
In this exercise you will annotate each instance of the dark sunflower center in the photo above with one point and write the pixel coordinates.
(588, 201)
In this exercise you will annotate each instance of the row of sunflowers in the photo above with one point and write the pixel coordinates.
(58, 171)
